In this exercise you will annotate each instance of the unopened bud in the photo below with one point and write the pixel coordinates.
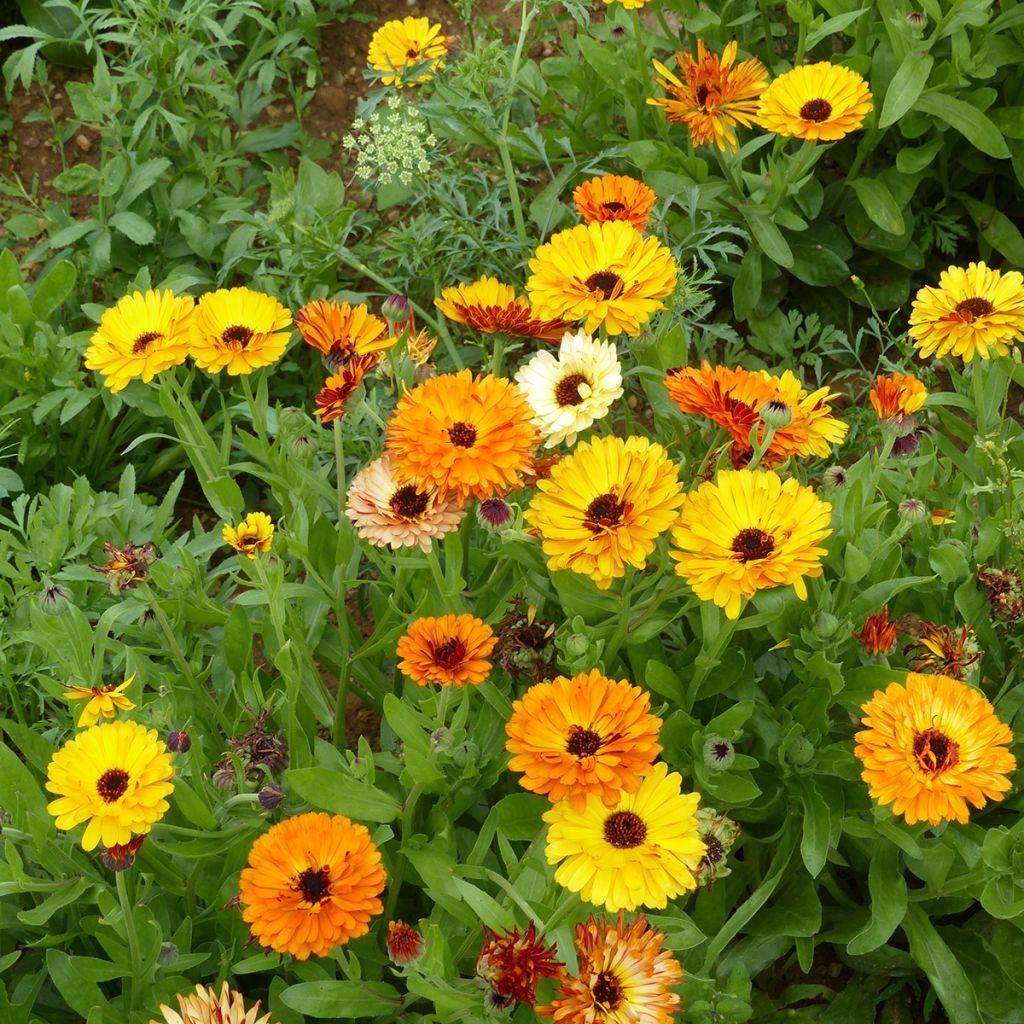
(913, 511)
(835, 476)
(405, 944)
(719, 753)
(800, 751)
(775, 414)
(494, 514)
(270, 796)
(917, 21)
(907, 444)
(179, 742)
(395, 308)
(53, 598)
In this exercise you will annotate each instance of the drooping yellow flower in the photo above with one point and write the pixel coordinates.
(204, 1006)
(103, 700)
(749, 531)
(491, 307)
(143, 335)
(974, 311)
(403, 43)
(451, 650)
(821, 101)
(238, 330)
(615, 197)
(931, 746)
(253, 535)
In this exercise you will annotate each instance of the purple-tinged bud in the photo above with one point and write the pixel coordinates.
(395, 308)
(494, 513)
(270, 796)
(907, 444)
(179, 742)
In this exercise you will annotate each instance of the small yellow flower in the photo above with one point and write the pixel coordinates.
(254, 534)
(103, 700)
(943, 517)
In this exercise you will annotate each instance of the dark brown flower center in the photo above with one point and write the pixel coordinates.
(143, 341)
(753, 544)
(450, 654)
(721, 750)
(606, 282)
(462, 434)
(568, 390)
(604, 512)
(715, 850)
(613, 207)
(970, 309)
(607, 991)
(408, 502)
(816, 110)
(583, 742)
(624, 830)
(315, 886)
(112, 784)
(237, 335)
(412, 54)
(935, 751)
(702, 96)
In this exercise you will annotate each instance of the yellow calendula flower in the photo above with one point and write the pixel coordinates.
(492, 307)
(402, 43)
(239, 330)
(821, 101)
(103, 700)
(253, 535)
(204, 1006)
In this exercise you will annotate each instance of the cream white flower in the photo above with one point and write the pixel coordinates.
(568, 393)
(392, 514)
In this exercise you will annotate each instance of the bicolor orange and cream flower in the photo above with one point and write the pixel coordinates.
(822, 101)
(238, 330)
(340, 332)
(932, 746)
(204, 1006)
(615, 197)
(491, 307)
(400, 44)
(253, 535)
(451, 650)
(896, 397)
(103, 701)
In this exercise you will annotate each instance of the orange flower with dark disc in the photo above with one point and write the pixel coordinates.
(513, 964)
(451, 650)
(491, 307)
(341, 332)
(615, 197)
(588, 734)
(312, 883)
(878, 634)
(896, 398)
(940, 650)
(933, 746)
(341, 386)
(405, 944)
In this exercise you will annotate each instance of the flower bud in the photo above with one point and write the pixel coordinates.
(775, 414)
(494, 514)
(800, 751)
(270, 796)
(576, 645)
(179, 742)
(835, 476)
(395, 308)
(53, 598)
(825, 625)
(405, 944)
(913, 511)
(121, 856)
(907, 444)
(719, 753)
(917, 21)
(168, 953)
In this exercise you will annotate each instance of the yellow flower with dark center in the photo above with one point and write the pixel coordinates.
(749, 531)
(403, 43)
(643, 851)
(932, 746)
(974, 311)
(821, 101)
(615, 197)
(238, 330)
(312, 882)
(491, 307)
(331, 399)
(895, 398)
(341, 332)
(608, 273)
(252, 536)
(114, 777)
(143, 335)
(451, 650)
(603, 507)
(103, 700)
(204, 1006)
(714, 94)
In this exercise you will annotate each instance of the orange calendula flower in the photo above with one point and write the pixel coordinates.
(490, 307)
(103, 700)
(931, 747)
(878, 634)
(341, 386)
(238, 330)
(252, 536)
(715, 94)
(312, 883)
(405, 944)
(464, 434)
(588, 734)
(896, 398)
(204, 1006)
(451, 650)
(822, 101)
(341, 333)
(513, 964)
(404, 43)
(943, 517)
(615, 197)
(939, 650)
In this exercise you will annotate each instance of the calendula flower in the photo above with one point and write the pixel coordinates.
(312, 882)
(943, 517)
(581, 736)
(114, 777)
(451, 650)
(749, 531)
(103, 700)
(491, 307)
(568, 393)
(643, 851)
(895, 398)
(513, 964)
(388, 513)
(878, 634)
(252, 536)
(204, 1006)
(405, 944)
(974, 311)
(341, 386)
(821, 101)
(932, 746)
(238, 330)
(463, 434)
(608, 273)
(143, 335)
(624, 976)
(940, 650)
(403, 44)
(714, 95)
(341, 332)
(128, 565)
(615, 197)
(604, 506)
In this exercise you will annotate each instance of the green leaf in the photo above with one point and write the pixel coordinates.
(879, 205)
(856, 564)
(519, 815)
(732, 719)
(997, 229)
(768, 237)
(948, 978)
(78, 992)
(24, 225)
(79, 180)
(144, 177)
(341, 794)
(818, 266)
(906, 86)
(814, 839)
(746, 289)
(833, 26)
(237, 640)
(969, 121)
(52, 289)
(133, 227)
(888, 890)
(342, 1000)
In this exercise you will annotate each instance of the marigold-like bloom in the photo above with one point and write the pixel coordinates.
(451, 650)
(581, 736)
(204, 1006)
(749, 531)
(608, 273)
(897, 397)
(513, 964)
(389, 513)
(103, 700)
(490, 307)
(341, 386)
(615, 197)
(238, 330)
(252, 536)
(932, 746)
(405, 944)
(143, 335)
(403, 43)
(624, 976)
(815, 101)
(974, 311)
(341, 332)
(603, 507)
(643, 851)
(940, 651)
(715, 94)
(114, 777)
(943, 517)
(464, 434)
(569, 392)
(312, 883)
(127, 566)
(878, 634)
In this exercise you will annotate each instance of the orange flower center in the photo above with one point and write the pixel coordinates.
(624, 830)
(450, 654)
(112, 784)
(568, 390)
(753, 544)
(970, 309)
(935, 751)
(613, 207)
(408, 502)
(143, 341)
(237, 335)
(608, 283)
(315, 886)
(607, 991)
(816, 110)
(583, 742)
(462, 434)
(604, 512)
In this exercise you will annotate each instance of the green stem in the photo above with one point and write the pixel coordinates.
(258, 419)
(568, 901)
(339, 467)
(408, 820)
(888, 440)
(513, 191)
(502, 136)
(708, 659)
(133, 939)
(798, 166)
(622, 626)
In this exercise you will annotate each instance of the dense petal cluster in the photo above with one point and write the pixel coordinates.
(451, 650)
(103, 700)
(513, 964)
(406, 43)
(615, 197)
(822, 101)
(238, 330)
(896, 397)
(340, 331)
(491, 307)
(253, 536)
(205, 1006)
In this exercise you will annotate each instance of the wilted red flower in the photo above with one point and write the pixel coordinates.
(941, 652)
(127, 566)
(121, 856)
(405, 943)
(513, 965)
(878, 634)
